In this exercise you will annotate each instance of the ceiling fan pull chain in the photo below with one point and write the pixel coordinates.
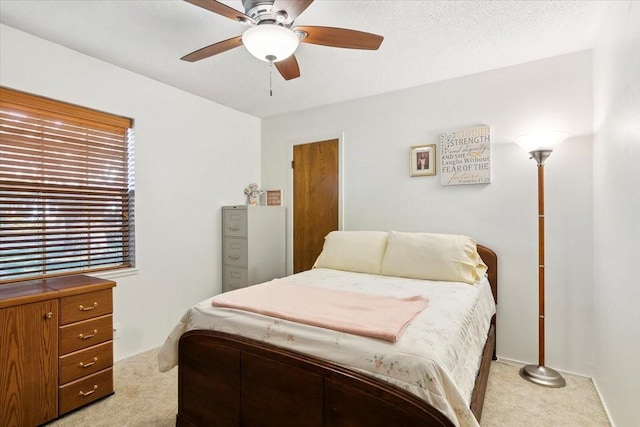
(270, 58)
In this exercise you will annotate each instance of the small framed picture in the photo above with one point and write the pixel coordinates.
(274, 197)
(422, 160)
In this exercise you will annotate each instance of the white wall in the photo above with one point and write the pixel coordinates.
(187, 166)
(380, 195)
(616, 64)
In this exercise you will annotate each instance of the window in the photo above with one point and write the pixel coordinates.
(66, 188)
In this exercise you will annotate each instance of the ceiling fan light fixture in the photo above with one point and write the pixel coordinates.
(267, 41)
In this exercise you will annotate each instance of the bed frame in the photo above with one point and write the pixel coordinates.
(226, 380)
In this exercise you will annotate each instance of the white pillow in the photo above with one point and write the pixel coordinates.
(359, 251)
(446, 257)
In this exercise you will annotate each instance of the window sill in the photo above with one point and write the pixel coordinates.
(114, 274)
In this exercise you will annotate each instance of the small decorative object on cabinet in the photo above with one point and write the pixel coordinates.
(253, 245)
(253, 193)
(274, 197)
(56, 350)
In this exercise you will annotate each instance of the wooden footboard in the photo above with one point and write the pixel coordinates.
(226, 380)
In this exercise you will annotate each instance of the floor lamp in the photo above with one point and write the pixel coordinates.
(540, 146)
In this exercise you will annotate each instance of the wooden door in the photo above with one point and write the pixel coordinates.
(315, 199)
(29, 364)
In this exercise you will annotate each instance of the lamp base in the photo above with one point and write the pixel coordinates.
(541, 375)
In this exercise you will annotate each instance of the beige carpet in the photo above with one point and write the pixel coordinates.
(512, 401)
(145, 397)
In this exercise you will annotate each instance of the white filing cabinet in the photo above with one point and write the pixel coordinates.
(253, 245)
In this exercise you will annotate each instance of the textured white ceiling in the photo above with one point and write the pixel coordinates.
(425, 41)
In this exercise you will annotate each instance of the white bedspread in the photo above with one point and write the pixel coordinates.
(437, 357)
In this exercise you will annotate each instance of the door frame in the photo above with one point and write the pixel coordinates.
(290, 201)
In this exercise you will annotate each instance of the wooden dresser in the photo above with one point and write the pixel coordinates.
(56, 347)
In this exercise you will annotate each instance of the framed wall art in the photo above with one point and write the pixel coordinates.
(422, 160)
(465, 156)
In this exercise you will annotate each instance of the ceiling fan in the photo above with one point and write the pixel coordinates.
(272, 37)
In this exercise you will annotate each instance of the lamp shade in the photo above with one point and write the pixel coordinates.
(543, 140)
(270, 42)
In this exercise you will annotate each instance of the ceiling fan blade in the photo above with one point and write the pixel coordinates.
(288, 68)
(213, 49)
(293, 8)
(222, 9)
(340, 37)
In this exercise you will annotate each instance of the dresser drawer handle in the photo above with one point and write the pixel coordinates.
(86, 365)
(84, 337)
(234, 228)
(234, 257)
(87, 393)
(83, 308)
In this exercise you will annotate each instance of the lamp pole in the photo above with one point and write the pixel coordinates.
(541, 374)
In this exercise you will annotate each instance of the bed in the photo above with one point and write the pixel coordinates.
(239, 367)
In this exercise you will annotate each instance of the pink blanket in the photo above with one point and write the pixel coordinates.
(369, 315)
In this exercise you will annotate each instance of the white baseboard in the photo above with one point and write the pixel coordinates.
(521, 363)
(604, 404)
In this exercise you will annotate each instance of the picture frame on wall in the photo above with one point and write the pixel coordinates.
(422, 160)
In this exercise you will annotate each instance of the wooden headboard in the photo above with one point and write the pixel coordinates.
(491, 259)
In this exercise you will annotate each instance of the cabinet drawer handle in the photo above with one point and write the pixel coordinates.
(49, 315)
(236, 228)
(87, 393)
(86, 365)
(84, 337)
(83, 308)
(234, 257)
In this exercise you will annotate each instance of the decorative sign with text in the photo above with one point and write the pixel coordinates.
(274, 197)
(465, 157)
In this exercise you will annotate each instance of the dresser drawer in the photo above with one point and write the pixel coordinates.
(85, 306)
(233, 278)
(234, 222)
(85, 334)
(85, 390)
(85, 362)
(234, 252)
